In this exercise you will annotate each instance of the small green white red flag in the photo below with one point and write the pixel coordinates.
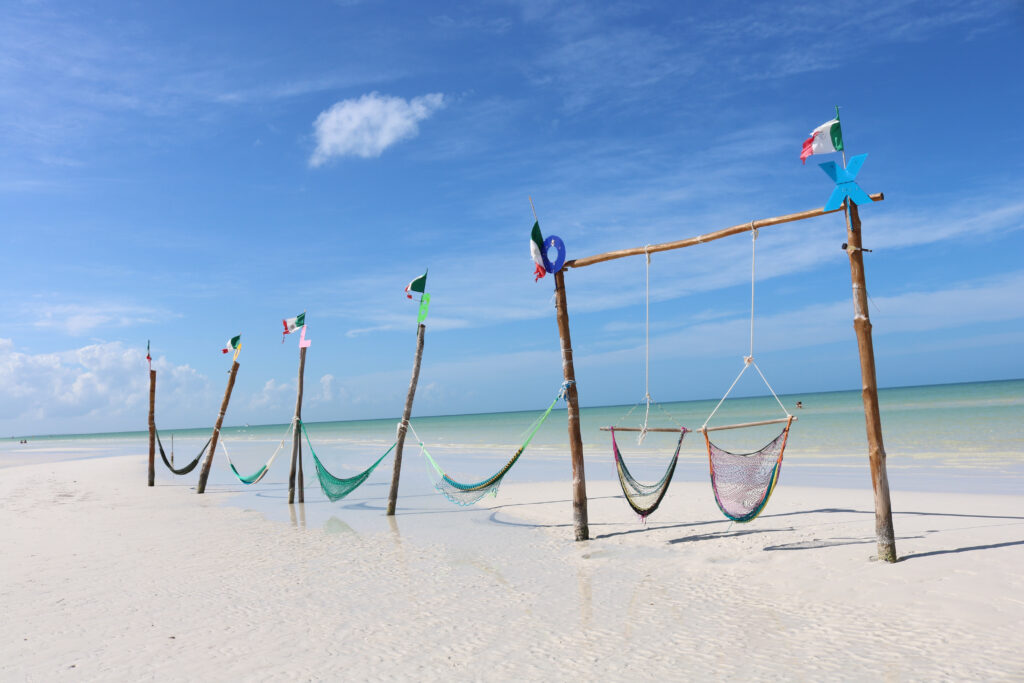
(292, 324)
(233, 344)
(537, 251)
(828, 137)
(417, 285)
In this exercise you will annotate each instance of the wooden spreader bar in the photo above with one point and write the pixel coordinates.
(747, 424)
(701, 239)
(702, 429)
(638, 429)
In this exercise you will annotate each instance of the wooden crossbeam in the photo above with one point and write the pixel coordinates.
(701, 239)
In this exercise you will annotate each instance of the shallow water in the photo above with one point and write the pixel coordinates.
(955, 437)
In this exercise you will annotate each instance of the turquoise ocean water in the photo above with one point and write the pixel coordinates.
(955, 437)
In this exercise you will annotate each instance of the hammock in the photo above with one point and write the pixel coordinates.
(336, 488)
(743, 482)
(644, 498)
(187, 468)
(467, 494)
(261, 472)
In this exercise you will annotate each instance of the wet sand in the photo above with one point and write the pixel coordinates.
(103, 577)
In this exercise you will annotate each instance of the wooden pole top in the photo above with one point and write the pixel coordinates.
(708, 237)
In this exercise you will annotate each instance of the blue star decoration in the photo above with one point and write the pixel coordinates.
(845, 187)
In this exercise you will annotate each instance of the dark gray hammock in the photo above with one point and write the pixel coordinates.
(644, 498)
(187, 468)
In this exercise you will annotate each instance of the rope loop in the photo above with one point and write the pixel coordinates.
(563, 392)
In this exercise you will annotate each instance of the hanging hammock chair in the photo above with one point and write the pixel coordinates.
(180, 470)
(743, 482)
(468, 493)
(645, 498)
(336, 488)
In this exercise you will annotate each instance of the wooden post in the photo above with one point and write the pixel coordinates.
(297, 434)
(579, 478)
(404, 425)
(869, 391)
(205, 473)
(152, 427)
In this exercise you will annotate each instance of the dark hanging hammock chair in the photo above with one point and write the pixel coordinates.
(645, 498)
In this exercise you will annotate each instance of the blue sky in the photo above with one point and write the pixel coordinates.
(187, 171)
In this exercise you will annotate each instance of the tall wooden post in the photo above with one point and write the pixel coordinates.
(869, 391)
(152, 427)
(404, 425)
(205, 473)
(297, 433)
(579, 478)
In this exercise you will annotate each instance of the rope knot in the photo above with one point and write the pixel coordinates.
(563, 392)
(747, 360)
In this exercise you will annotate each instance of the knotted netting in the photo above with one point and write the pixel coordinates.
(262, 471)
(336, 488)
(644, 498)
(743, 482)
(468, 493)
(181, 470)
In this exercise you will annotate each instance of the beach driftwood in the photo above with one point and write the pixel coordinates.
(884, 533)
(403, 427)
(205, 473)
(297, 435)
(581, 526)
(152, 427)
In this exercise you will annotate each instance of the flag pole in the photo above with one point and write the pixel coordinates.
(403, 426)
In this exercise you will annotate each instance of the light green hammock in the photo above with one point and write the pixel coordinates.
(336, 488)
(262, 471)
(467, 494)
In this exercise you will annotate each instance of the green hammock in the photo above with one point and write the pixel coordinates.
(467, 494)
(262, 471)
(336, 488)
(181, 470)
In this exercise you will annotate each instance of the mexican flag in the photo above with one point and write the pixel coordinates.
(537, 251)
(417, 285)
(233, 344)
(828, 137)
(292, 324)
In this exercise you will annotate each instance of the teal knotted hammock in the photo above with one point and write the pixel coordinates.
(467, 494)
(262, 471)
(336, 488)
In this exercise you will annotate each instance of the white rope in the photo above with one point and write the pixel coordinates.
(753, 256)
(772, 390)
(647, 347)
(749, 359)
(745, 366)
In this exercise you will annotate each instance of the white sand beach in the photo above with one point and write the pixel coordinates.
(103, 578)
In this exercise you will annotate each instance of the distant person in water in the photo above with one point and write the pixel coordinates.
(799, 404)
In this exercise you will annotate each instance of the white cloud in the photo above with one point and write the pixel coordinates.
(327, 387)
(92, 388)
(76, 319)
(366, 126)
